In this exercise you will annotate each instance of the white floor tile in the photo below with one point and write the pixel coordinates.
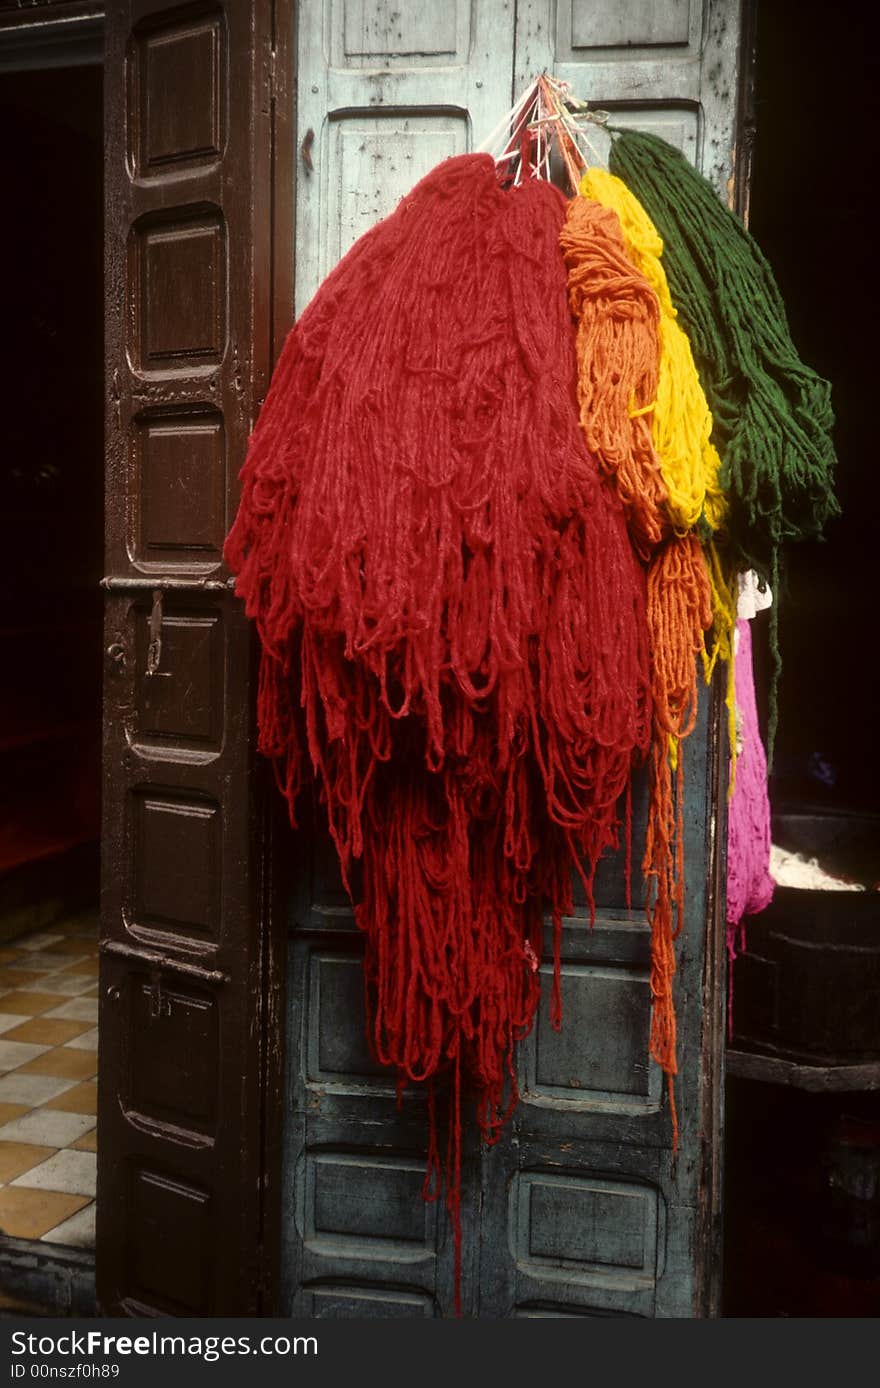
(77, 1232)
(68, 985)
(32, 1089)
(48, 1127)
(15, 1053)
(45, 961)
(8, 1020)
(77, 1010)
(87, 1041)
(72, 1172)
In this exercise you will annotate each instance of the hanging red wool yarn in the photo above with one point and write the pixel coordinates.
(451, 616)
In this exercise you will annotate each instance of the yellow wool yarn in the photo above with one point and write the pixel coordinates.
(682, 422)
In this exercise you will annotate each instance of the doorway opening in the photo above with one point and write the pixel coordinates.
(802, 1200)
(51, 473)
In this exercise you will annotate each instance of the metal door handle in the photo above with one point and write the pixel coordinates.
(305, 150)
(154, 650)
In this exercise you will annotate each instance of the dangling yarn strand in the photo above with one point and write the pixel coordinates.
(679, 612)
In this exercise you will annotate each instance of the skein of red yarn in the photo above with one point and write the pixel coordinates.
(451, 616)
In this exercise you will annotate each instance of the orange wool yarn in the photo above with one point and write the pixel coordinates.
(618, 351)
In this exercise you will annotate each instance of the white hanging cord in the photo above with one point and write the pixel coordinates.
(507, 121)
(575, 122)
(573, 114)
(556, 118)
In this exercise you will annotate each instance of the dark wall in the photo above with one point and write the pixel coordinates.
(813, 194)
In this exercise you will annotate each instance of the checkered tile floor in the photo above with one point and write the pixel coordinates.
(48, 1083)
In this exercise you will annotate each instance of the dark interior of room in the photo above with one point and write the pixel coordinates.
(802, 1209)
(51, 472)
(817, 95)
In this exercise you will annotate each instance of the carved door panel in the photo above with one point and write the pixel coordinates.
(184, 1184)
(386, 91)
(586, 1211)
(581, 1209)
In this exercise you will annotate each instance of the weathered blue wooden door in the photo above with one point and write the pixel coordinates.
(581, 1209)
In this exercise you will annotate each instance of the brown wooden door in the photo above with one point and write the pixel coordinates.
(188, 978)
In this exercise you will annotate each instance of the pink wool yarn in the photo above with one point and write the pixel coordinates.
(749, 884)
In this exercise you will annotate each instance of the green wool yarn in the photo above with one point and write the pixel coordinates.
(772, 413)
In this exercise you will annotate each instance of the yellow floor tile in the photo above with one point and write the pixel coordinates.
(8, 955)
(48, 1031)
(17, 978)
(88, 1142)
(62, 1063)
(10, 1111)
(83, 1098)
(17, 1157)
(29, 1214)
(31, 1004)
(87, 968)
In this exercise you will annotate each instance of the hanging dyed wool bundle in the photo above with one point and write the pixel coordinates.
(442, 581)
(682, 424)
(749, 884)
(617, 317)
(772, 416)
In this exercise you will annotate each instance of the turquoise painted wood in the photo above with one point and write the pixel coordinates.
(581, 1208)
